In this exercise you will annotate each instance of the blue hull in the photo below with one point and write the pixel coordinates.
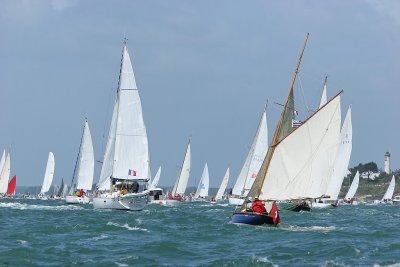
(251, 218)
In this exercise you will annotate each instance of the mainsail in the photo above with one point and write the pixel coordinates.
(183, 178)
(223, 185)
(127, 154)
(202, 189)
(5, 174)
(11, 186)
(48, 175)
(342, 158)
(254, 159)
(390, 190)
(354, 186)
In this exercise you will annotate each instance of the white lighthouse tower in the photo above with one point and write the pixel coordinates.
(387, 163)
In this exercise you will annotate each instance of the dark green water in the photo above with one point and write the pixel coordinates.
(50, 233)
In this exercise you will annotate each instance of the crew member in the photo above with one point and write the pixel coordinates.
(258, 206)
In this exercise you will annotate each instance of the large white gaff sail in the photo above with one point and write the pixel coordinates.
(302, 162)
(202, 189)
(127, 153)
(353, 187)
(389, 192)
(254, 159)
(49, 173)
(156, 179)
(86, 161)
(223, 186)
(183, 178)
(5, 174)
(342, 158)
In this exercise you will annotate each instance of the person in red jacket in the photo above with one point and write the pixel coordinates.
(258, 206)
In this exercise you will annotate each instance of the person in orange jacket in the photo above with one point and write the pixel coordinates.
(258, 206)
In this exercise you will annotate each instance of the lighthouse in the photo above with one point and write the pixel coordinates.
(387, 163)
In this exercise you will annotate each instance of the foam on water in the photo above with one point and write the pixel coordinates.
(24, 206)
(308, 228)
(126, 226)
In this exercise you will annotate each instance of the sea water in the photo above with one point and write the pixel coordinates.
(51, 233)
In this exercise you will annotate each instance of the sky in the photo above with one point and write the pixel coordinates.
(204, 69)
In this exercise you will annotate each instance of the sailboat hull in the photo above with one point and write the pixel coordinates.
(77, 200)
(252, 218)
(134, 202)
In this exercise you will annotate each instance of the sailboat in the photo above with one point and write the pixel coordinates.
(252, 164)
(156, 195)
(178, 191)
(222, 187)
(126, 165)
(297, 165)
(341, 164)
(5, 173)
(61, 189)
(204, 184)
(48, 177)
(82, 177)
(387, 197)
(349, 198)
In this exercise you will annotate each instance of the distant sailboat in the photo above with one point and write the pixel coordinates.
(82, 177)
(48, 176)
(296, 166)
(178, 191)
(252, 164)
(204, 184)
(389, 192)
(5, 173)
(349, 198)
(222, 187)
(11, 186)
(156, 194)
(126, 165)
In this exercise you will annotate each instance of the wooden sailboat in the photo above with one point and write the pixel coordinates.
(82, 178)
(296, 166)
(126, 165)
(178, 191)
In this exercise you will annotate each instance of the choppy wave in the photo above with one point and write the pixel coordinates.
(313, 228)
(127, 227)
(25, 206)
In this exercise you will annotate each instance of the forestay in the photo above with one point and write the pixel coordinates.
(183, 178)
(48, 175)
(223, 186)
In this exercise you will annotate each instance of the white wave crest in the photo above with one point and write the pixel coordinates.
(296, 228)
(126, 226)
(264, 260)
(23, 206)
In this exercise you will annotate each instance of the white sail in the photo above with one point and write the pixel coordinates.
(302, 162)
(202, 189)
(342, 158)
(86, 161)
(254, 159)
(3, 158)
(390, 190)
(223, 185)
(183, 178)
(127, 153)
(353, 188)
(48, 175)
(5, 175)
(324, 98)
(154, 183)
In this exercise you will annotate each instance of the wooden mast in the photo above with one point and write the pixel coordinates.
(275, 141)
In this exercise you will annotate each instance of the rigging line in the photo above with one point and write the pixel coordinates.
(304, 97)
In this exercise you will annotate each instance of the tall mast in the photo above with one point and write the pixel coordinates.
(264, 167)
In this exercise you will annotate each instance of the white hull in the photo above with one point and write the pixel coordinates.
(77, 200)
(116, 201)
(235, 201)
